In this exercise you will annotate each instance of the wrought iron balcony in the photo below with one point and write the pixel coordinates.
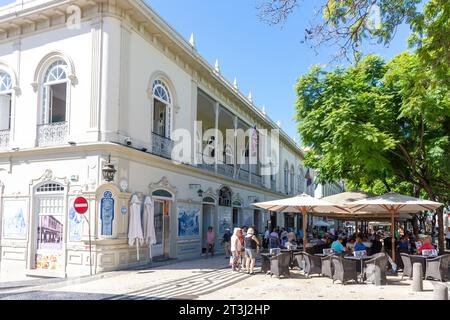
(225, 170)
(162, 146)
(204, 165)
(273, 185)
(243, 175)
(52, 134)
(4, 138)
(256, 179)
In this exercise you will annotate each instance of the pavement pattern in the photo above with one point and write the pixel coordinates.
(205, 279)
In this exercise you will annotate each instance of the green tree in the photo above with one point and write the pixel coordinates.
(379, 126)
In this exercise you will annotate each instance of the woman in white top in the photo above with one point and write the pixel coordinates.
(236, 248)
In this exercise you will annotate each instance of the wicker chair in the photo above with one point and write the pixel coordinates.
(313, 264)
(298, 257)
(375, 269)
(344, 270)
(437, 268)
(265, 263)
(327, 267)
(296, 262)
(279, 265)
(407, 265)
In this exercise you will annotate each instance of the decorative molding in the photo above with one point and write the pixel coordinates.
(163, 184)
(50, 176)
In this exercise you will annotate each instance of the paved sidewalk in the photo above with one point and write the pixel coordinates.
(206, 279)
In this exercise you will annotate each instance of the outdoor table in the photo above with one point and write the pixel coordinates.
(361, 259)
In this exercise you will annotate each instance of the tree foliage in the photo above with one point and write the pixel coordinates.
(349, 23)
(380, 126)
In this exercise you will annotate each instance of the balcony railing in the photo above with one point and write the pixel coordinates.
(225, 170)
(273, 185)
(256, 179)
(162, 146)
(244, 175)
(4, 138)
(202, 163)
(52, 134)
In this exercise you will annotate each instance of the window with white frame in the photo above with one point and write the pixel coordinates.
(5, 101)
(162, 109)
(54, 94)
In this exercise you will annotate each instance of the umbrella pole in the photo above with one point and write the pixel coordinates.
(393, 234)
(305, 221)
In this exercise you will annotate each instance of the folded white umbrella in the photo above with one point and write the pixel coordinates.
(135, 234)
(149, 224)
(321, 223)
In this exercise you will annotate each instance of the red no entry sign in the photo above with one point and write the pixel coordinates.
(81, 205)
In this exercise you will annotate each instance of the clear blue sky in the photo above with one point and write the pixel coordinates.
(265, 59)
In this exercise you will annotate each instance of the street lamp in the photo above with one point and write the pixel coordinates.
(109, 171)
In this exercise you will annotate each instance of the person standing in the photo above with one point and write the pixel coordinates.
(210, 241)
(251, 245)
(236, 248)
(226, 241)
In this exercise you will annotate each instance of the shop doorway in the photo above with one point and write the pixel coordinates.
(49, 253)
(207, 221)
(162, 231)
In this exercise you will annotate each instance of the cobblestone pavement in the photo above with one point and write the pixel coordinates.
(208, 279)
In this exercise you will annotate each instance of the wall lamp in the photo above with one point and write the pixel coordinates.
(109, 171)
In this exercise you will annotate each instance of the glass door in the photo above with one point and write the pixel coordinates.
(50, 232)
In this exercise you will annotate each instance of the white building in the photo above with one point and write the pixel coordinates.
(119, 83)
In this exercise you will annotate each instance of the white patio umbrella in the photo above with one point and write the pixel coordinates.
(149, 224)
(321, 223)
(303, 204)
(395, 205)
(135, 234)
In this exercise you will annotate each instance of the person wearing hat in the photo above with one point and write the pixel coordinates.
(251, 244)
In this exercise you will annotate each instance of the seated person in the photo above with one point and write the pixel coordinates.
(337, 246)
(359, 246)
(403, 244)
(376, 245)
(426, 245)
(350, 244)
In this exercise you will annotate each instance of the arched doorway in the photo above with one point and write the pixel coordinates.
(208, 209)
(162, 205)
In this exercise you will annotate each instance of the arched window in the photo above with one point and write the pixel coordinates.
(54, 94)
(162, 109)
(225, 197)
(5, 103)
(286, 178)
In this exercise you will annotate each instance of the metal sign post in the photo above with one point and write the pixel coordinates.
(81, 206)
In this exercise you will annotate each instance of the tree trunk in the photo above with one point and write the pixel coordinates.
(441, 235)
(415, 222)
